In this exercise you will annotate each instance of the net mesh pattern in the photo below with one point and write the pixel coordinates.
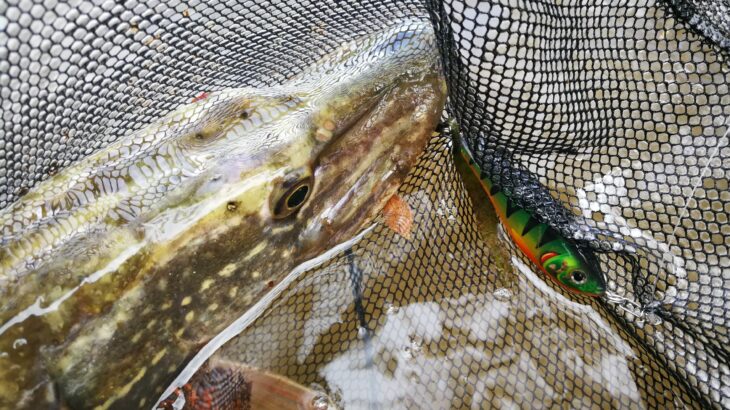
(620, 111)
(441, 327)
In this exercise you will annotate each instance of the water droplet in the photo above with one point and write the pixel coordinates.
(391, 309)
(320, 402)
(362, 332)
(413, 349)
(503, 294)
(19, 342)
(653, 319)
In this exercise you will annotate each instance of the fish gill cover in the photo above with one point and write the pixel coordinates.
(620, 110)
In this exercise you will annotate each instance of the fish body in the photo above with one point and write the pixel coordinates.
(562, 260)
(116, 270)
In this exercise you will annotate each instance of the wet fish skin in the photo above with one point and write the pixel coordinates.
(116, 270)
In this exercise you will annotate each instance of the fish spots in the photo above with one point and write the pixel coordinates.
(227, 270)
(186, 301)
(124, 391)
(166, 305)
(189, 317)
(206, 284)
(137, 336)
(156, 359)
(255, 274)
(256, 250)
(213, 307)
(233, 292)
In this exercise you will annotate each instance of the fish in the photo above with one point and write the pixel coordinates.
(116, 270)
(564, 261)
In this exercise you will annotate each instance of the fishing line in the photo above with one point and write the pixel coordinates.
(363, 332)
(692, 193)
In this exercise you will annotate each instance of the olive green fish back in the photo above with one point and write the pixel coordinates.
(619, 111)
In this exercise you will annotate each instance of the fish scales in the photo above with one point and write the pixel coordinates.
(116, 270)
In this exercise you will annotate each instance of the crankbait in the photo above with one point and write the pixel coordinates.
(564, 261)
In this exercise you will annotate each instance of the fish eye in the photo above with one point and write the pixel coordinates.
(578, 277)
(293, 198)
(296, 198)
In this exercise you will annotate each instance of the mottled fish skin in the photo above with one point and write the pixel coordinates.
(114, 271)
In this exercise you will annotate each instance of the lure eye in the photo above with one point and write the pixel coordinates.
(293, 198)
(578, 277)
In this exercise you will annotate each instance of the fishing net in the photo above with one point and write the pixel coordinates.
(618, 110)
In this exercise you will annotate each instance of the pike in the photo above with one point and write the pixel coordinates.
(116, 270)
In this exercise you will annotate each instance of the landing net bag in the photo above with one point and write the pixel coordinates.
(619, 110)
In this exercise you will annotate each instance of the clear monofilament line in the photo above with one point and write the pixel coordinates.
(691, 195)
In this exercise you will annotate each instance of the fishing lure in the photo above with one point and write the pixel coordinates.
(569, 264)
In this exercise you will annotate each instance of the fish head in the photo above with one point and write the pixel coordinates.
(318, 158)
(200, 213)
(577, 272)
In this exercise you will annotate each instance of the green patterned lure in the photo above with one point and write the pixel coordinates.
(565, 262)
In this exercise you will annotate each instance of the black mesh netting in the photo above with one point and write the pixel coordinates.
(619, 110)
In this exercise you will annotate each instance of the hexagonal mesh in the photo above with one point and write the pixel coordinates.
(440, 326)
(618, 111)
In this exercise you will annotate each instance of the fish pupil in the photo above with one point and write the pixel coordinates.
(579, 277)
(297, 197)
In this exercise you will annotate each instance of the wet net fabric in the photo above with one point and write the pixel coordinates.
(447, 325)
(620, 112)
